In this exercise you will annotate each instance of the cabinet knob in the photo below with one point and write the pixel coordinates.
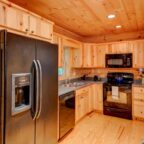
(32, 31)
(26, 30)
(4, 7)
(21, 24)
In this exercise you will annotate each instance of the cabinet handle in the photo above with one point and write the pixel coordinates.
(21, 24)
(26, 30)
(4, 7)
(32, 31)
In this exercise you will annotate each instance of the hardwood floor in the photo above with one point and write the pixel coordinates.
(101, 129)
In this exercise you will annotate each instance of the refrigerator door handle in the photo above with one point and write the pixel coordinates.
(35, 90)
(40, 88)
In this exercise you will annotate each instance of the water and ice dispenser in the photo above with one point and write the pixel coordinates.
(21, 93)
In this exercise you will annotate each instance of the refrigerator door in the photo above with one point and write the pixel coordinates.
(1, 97)
(46, 123)
(19, 54)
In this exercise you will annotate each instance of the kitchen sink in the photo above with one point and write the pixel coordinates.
(74, 84)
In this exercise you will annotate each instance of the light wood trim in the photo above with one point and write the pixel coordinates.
(128, 36)
(67, 33)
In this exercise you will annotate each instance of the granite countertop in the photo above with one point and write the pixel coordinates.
(138, 83)
(63, 89)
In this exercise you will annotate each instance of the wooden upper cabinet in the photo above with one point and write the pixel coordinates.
(118, 48)
(138, 53)
(40, 27)
(102, 50)
(59, 41)
(16, 19)
(46, 29)
(34, 27)
(2, 14)
(87, 55)
(76, 54)
(20, 20)
(95, 56)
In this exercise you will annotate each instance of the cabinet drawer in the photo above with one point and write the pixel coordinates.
(138, 90)
(138, 96)
(82, 90)
(139, 103)
(139, 111)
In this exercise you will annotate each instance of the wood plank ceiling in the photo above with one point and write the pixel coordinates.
(89, 17)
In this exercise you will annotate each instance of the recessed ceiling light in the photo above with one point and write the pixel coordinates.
(118, 26)
(111, 16)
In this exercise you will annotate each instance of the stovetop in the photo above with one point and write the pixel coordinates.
(120, 79)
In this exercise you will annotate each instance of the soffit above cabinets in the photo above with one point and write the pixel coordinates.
(90, 17)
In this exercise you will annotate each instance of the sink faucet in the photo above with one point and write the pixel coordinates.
(67, 81)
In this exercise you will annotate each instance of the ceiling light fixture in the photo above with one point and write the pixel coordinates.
(111, 16)
(118, 26)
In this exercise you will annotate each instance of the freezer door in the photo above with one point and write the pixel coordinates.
(19, 54)
(46, 123)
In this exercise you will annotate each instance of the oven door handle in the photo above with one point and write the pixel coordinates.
(35, 90)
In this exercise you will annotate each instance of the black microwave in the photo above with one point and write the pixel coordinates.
(118, 60)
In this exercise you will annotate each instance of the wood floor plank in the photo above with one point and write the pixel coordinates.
(101, 129)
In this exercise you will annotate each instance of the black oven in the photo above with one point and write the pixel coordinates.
(66, 113)
(117, 95)
(121, 106)
(118, 60)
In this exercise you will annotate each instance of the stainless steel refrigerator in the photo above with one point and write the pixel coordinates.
(29, 90)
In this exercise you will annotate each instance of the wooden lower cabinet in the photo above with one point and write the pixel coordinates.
(138, 103)
(88, 99)
(98, 97)
(81, 103)
(91, 98)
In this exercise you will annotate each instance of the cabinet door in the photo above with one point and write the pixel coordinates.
(91, 98)
(101, 52)
(59, 41)
(87, 55)
(116, 48)
(76, 54)
(16, 19)
(2, 14)
(46, 30)
(98, 97)
(138, 54)
(35, 25)
(81, 105)
(138, 111)
(95, 56)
